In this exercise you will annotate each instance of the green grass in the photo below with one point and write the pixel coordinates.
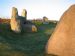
(24, 44)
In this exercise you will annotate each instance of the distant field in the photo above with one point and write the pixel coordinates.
(24, 44)
(4, 20)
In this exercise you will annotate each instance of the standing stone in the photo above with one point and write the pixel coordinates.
(62, 41)
(45, 20)
(24, 14)
(15, 22)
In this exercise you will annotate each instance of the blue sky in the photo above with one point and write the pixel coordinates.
(53, 9)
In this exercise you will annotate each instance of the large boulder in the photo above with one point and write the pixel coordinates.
(34, 28)
(29, 28)
(62, 41)
(15, 22)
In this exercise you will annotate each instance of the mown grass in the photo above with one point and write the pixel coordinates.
(24, 44)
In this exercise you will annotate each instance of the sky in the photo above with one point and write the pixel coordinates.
(52, 9)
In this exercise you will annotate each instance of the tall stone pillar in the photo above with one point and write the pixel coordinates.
(24, 14)
(15, 22)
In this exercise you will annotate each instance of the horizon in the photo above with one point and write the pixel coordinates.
(36, 9)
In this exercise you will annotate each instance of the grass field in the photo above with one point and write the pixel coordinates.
(24, 44)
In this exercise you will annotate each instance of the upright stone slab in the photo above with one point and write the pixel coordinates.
(62, 41)
(45, 19)
(15, 22)
(24, 14)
